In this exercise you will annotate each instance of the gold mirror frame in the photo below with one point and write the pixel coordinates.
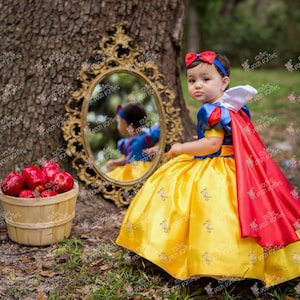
(116, 55)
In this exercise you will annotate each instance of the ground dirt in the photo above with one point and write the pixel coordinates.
(31, 268)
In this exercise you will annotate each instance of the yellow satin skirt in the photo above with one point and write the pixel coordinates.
(130, 171)
(185, 220)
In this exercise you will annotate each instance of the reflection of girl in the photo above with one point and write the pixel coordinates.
(135, 161)
(220, 207)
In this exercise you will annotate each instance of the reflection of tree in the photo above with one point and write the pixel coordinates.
(117, 88)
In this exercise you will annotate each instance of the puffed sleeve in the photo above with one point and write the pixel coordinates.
(212, 116)
(237, 97)
(152, 136)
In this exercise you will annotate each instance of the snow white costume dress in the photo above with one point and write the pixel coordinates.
(231, 214)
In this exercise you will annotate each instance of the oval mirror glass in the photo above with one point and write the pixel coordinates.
(122, 126)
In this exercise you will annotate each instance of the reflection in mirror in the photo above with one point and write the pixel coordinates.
(123, 129)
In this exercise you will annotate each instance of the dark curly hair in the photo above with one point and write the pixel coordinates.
(135, 113)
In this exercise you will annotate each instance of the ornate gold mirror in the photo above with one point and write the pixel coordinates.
(121, 120)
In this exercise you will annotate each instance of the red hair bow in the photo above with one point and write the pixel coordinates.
(206, 56)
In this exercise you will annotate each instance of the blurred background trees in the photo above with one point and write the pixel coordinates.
(243, 28)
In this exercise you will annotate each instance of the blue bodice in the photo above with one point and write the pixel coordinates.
(133, 147)
(215, 116)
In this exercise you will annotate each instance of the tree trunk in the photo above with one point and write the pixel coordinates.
(195, 30)
(43, 46)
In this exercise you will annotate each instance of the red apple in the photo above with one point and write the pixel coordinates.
(40, 188)
(48, 193)
(63, 182)
(26, 194)
(50, 168)
(12, 184)
(28, 169)
(34, 177)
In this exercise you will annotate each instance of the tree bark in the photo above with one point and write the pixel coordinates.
(43, 46)
(195, 30)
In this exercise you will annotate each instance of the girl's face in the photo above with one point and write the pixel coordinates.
(205, 84)
(122, 126)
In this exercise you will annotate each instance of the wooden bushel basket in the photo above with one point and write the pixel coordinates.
(39, 221)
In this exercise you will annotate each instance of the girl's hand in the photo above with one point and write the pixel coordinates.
(113, 163)
(110, 164)
(175, 150)
(151, 151)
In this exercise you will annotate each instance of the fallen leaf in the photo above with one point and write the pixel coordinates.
(104, 267)
(47, 265)
(27, 259)
(30, 270)
(289, 298)
(50, 274)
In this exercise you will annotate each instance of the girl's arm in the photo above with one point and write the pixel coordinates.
(203, 146)
(113, 163)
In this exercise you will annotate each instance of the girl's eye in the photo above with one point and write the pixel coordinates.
(205, 78)
(191, 80)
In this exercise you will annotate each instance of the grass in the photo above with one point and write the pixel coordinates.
(113, 273)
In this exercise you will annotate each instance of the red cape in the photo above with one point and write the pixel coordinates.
(268, 204)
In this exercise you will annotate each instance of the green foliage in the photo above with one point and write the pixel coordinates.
(18, 293)
(247, 28)
(72, 249)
